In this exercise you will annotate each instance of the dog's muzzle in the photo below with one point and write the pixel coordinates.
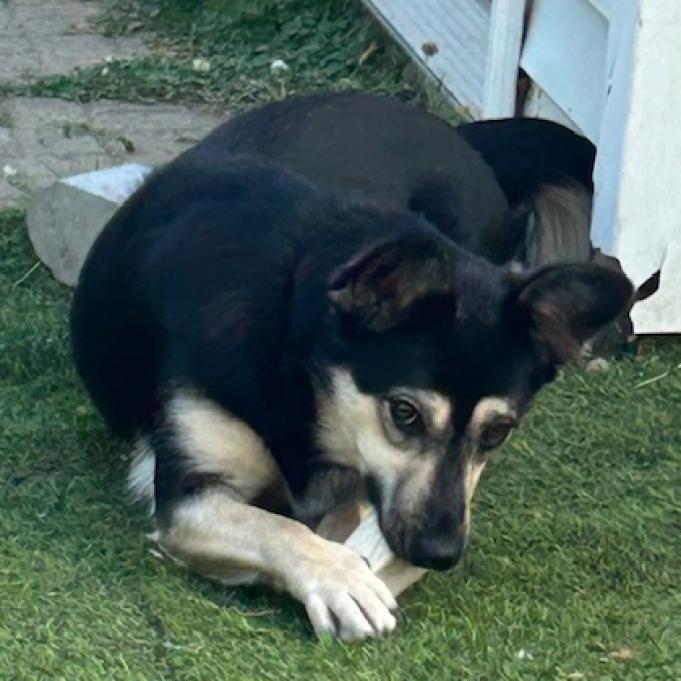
(437, 552)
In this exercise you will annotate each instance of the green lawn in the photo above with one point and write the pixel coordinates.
(321, 41)
(326, 44)
(575, 568)
(576, 557)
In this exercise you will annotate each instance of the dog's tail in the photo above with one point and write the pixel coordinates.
(558, 225)
(545, 171)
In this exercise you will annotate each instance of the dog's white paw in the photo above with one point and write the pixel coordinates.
(342, 596)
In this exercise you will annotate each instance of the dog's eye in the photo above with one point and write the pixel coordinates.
(495, 433)
(405, 415)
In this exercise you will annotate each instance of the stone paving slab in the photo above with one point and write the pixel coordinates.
(44, 139)
(43, 37)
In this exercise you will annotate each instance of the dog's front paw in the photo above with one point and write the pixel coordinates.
(342, 596)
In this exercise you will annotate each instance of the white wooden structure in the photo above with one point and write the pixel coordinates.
(610, 69)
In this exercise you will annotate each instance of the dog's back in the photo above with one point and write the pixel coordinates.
(395, 153)
(510, 189)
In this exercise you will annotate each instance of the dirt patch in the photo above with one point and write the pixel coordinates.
(51, 138)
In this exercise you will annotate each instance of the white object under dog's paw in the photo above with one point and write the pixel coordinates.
(342, 596)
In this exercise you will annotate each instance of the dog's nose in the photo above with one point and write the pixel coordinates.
(437, 552)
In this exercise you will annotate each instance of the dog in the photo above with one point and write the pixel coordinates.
(513, 190)
(274, 350)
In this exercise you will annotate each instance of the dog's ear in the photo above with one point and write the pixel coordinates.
(566, 305)
(380, 285)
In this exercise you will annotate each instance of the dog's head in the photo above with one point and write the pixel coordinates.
(434, 357)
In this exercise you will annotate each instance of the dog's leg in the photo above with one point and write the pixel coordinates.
(356, 525)
(216, 535)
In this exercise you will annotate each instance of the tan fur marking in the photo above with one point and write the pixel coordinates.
(439, 408)
(563, 225)
(339, 523)
(236, 543)
(472, 477)
(486, 409)
(351, 432)
(418, 482)
(216, 442)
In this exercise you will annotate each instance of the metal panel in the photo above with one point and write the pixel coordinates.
(565, 53)
(637, 212)
(458, 28)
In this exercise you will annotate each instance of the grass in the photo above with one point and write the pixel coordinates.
(575, 569)
(325, 43)
(6, 120)
(220, 52)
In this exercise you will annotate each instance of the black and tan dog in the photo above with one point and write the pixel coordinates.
(274, 350)
(516, 191)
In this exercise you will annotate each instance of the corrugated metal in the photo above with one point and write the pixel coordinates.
(459, 29)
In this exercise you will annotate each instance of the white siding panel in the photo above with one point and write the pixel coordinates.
(637, 212)
(539, 105)
(606, 7)
(460, 30)
(503, 55)
(565, 53)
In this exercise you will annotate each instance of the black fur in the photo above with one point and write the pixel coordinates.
(475, 182)
(399, 155)
(243, 281)
(526, 153)
(482, 183)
